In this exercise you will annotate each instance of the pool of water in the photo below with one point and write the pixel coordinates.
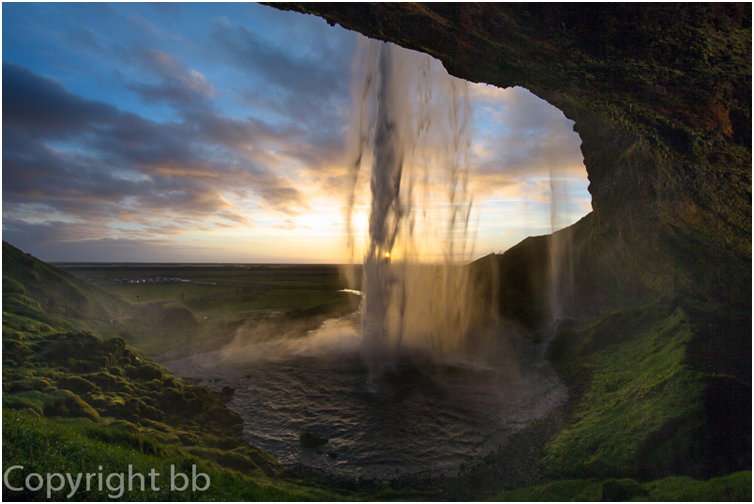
(418, 416)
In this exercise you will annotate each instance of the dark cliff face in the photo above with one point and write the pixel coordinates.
(661, 97)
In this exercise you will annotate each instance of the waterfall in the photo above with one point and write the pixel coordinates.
(560, 245)
(413, 122)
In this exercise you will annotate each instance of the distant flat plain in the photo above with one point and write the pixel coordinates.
(198, 307)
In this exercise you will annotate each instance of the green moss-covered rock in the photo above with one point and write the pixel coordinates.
(33, 383)
(67, 404)
(248, 461)
(103, 379)
(225, 417)
(176, 401)
(77, 384)
(266, 462)
(145, 371)
(26, 400)
(618, 490)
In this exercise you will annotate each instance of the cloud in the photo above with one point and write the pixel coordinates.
(248, 141)
(64, 242)
(168, 10)
(529, 139)
(140, 23)
(308, 74)
(92, 162)
(178, 84)
(289, 225)
(306, 87)
(82, 38)
(42, 106)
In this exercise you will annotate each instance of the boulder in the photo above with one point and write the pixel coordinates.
(311, 439)
(227, 392)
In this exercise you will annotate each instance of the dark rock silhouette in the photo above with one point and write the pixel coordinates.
(311, 439)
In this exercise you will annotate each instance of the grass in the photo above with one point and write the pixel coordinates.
(559, 491)
(74, 401)
(151, 293)
(734, 487)
(200, 323)
(53, 290)
(209, 309)
(46, 446)
(641, 403)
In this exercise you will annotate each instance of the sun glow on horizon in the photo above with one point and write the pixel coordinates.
(200, 155)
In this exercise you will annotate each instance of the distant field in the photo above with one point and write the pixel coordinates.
(208, 279)
(209, 302)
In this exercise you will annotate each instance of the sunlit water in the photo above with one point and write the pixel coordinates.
(421, 416)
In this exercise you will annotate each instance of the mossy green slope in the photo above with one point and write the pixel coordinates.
(33, 283)
(45, 446)
(641, 407)
(635, 391)
(734, 487)
(73, 401)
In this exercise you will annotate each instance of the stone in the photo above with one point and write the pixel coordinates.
(311, 439)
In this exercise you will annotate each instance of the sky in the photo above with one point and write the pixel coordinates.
(218, 133)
